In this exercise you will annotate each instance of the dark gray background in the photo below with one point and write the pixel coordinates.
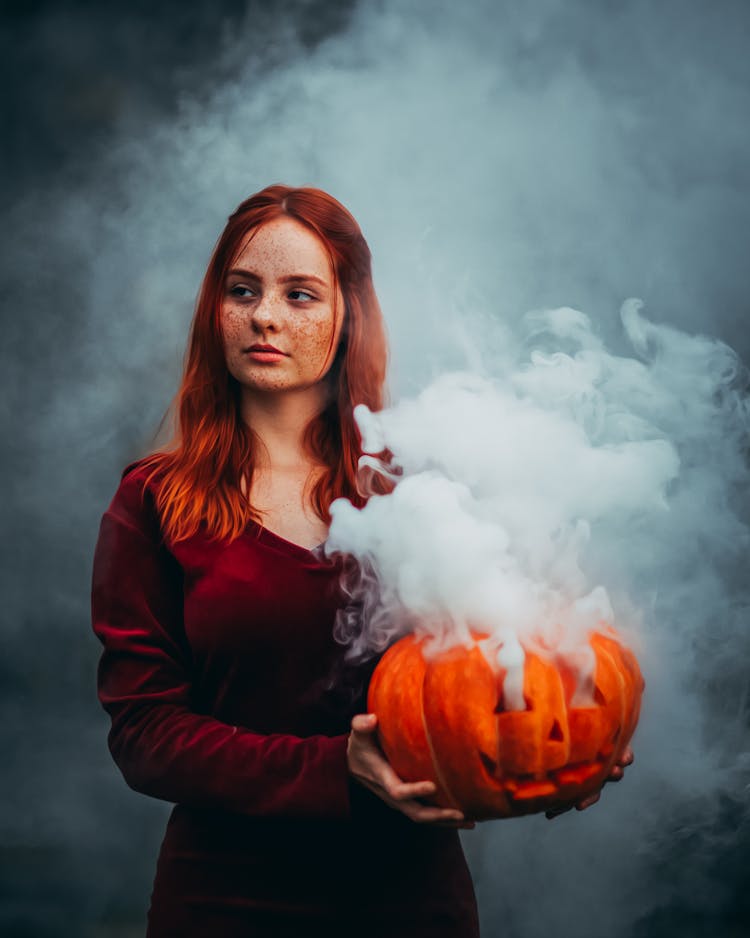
(618, 165)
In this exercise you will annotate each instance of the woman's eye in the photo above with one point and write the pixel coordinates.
(240, 290)
(301, 294)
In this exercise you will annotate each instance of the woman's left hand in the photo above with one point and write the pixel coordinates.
(616, 773)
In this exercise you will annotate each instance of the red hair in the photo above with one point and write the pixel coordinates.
(211, 448)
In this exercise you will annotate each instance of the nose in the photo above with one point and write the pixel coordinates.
(266, 314)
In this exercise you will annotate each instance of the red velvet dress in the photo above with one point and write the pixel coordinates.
(227, 697)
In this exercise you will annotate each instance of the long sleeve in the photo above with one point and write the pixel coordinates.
(162, 746)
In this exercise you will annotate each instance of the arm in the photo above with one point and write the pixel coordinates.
(162, 747)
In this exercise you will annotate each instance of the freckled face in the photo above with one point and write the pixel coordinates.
(277, 312)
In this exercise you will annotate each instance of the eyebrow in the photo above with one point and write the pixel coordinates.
(292, 278)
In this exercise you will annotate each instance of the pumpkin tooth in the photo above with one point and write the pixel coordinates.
(528, 790)
(578, 774)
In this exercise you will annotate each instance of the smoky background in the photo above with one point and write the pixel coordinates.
(500, 157)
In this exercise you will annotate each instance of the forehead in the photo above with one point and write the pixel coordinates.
(283, 246)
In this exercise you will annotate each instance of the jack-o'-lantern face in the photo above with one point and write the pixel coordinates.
(446, 720)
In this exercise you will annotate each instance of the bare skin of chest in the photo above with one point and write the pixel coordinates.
(281, 497)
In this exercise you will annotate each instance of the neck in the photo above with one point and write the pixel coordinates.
(280, 421)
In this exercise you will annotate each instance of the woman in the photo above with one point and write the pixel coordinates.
(227, 692)
(216, 613)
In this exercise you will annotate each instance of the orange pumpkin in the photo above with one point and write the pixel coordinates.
(444, 720)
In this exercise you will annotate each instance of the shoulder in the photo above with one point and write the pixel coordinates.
(134, 501)
(147, 470)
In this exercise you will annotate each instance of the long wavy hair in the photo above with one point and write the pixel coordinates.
(211, 447)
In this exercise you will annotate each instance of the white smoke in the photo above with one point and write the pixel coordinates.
(566, 486)
(563, 486)
(522, 497)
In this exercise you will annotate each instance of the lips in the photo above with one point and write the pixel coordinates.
(264, 348)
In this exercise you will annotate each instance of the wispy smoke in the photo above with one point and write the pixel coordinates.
(500, 157)
(566, 486)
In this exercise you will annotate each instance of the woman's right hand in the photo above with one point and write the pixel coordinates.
(369, 766)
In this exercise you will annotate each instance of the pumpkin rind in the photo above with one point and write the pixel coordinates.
(395, 694)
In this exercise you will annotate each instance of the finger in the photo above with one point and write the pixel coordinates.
(587, 802)
(627, 757)
(414, 809)
(427, 815)
(400, 790)
(371, 766)
(615, 774)
(395, 787)
(556, 812)
(408, 791)
(398, 796)
(455, 825)
(364, 723)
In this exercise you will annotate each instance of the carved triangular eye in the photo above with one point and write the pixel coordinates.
(488, 763)
(556, 732)
(599, 697)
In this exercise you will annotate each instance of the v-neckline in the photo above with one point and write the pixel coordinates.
(273, 538)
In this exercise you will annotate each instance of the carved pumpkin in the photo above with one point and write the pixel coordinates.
(445, 720)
